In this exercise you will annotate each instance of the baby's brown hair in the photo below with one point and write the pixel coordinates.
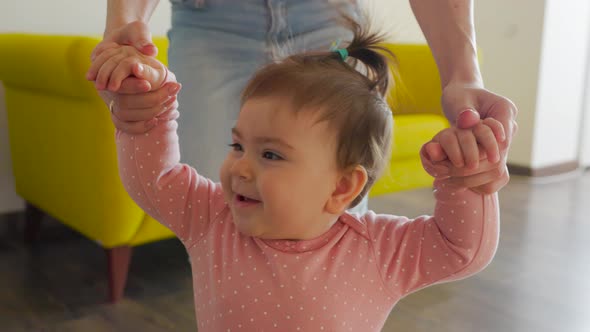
(352, 102)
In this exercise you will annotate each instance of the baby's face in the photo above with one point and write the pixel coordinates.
(280, 171)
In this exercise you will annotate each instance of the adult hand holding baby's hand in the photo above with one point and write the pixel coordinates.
(446, 156)
(137, 112)
(465, 104)
(136, 104)
(117, 63)
(136, 34)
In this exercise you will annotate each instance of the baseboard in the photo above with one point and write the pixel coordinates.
(562, 168)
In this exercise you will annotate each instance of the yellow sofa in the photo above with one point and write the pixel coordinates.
(63, 152)
(417, 117)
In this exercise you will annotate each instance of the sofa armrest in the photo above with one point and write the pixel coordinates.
(52, 64)
(49, 64)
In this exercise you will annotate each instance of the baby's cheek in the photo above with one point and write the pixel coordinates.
(225, 179)
(274, 199)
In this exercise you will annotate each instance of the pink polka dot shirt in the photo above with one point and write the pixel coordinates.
(347, 279)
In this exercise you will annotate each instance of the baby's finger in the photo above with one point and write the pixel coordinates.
(469, 147)
(496, 128)
(452, 170)
(147, 100)
(485, 137)
(99, 61)
(170, 115)
(131, 127)
(169, 105)
(104, 73)
(435, 151)
(143, 126)
(132, 85)
(480, 179)
(154, 76)
(450, 144)
(484, 166)
(120, 72)
(436, 170)
(143, 114)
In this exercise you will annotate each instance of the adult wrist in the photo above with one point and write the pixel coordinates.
(462, 70)
(116, 24)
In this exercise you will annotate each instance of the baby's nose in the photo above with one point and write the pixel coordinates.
(242, 169)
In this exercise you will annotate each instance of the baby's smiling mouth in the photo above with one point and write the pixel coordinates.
(243, 198)
(245, 201)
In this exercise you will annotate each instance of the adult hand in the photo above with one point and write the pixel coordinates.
(136, 34)
(465, 104)
(135, 106)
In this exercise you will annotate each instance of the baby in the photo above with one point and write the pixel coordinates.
(272, 246)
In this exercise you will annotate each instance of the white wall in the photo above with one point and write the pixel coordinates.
(585, 130)
(585, 134)
(395, 16)
(509, 35)
(69, 17)
(536, 53)
(560, 96)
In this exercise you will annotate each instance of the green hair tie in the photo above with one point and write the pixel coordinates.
(343, 52)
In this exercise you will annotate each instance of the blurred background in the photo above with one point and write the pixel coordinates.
(535, 52)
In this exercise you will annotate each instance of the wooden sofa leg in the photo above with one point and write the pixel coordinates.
(118, 267)
(33, 217)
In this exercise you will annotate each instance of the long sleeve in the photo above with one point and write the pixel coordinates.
(171, 192)
(459, 240)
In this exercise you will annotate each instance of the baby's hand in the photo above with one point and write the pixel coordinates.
(462, 146)
(459, 154)
(118, 62)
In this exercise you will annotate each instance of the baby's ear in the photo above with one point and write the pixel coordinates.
(349, 185)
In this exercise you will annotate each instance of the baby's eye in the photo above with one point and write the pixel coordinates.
(236, 147)
(271, 155)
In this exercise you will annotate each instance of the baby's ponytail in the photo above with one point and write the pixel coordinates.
(366, 48)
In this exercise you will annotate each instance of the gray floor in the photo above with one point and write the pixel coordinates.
(539, 280)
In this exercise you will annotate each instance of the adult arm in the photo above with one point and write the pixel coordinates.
(448, 26)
